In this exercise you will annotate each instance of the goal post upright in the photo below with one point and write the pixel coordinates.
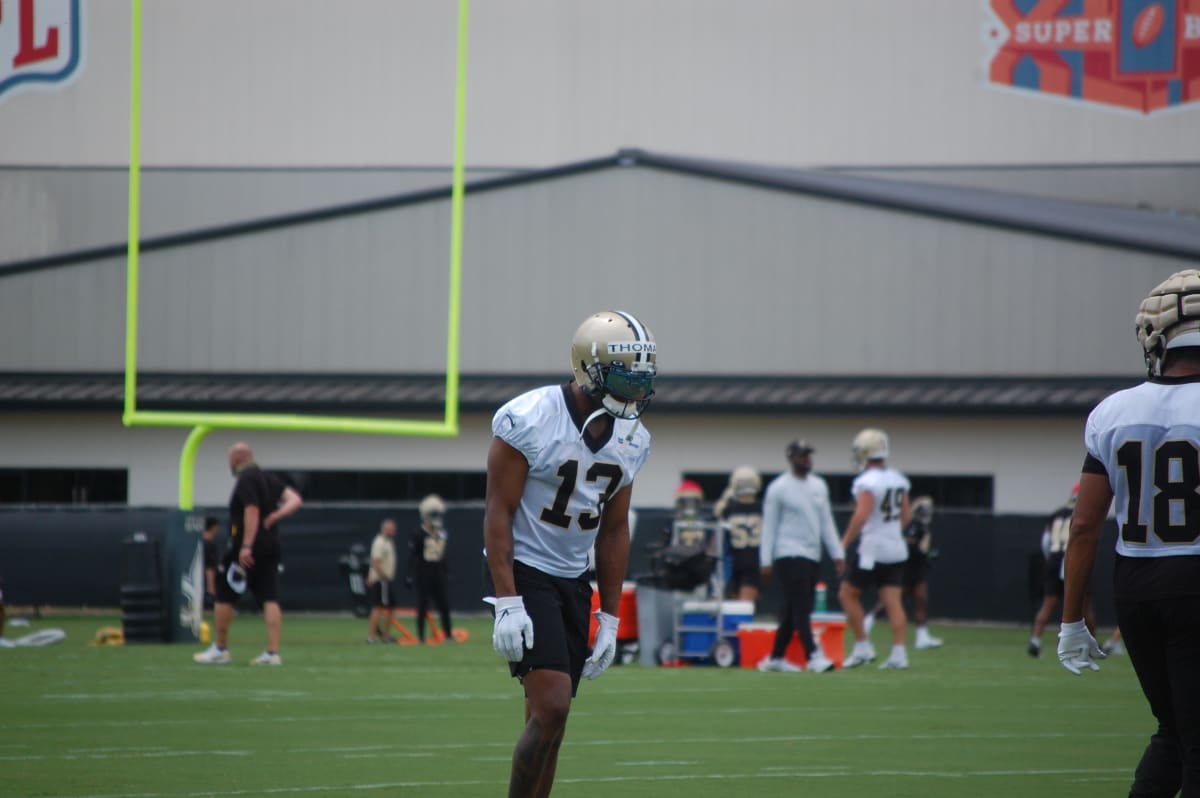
(202, 423)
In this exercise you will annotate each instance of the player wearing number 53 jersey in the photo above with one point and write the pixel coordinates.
(1143, 449)
(560, 475)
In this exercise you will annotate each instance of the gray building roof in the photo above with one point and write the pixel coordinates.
(361, 394)
(1140, 230)
(1161, 233)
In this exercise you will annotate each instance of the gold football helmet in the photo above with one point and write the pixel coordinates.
(614, 358)
(922, 509)
(432, 509)
(744, 482)
(1169, 318)
(869, 444)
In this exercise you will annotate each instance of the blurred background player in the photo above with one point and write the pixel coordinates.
(919, 537)
(1143, 450)
(212, 558)
(381, 575)
(740, 512)
(797, 522)
(1054, 546)
(427, 570)
(881, 511)
(689, 527)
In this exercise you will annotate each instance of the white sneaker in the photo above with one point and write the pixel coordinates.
(897, 662)
(861, 655)
(213, 656)
(819, 663)
(778, 666)
(1111, 647)
(267, 659)
(927, 641)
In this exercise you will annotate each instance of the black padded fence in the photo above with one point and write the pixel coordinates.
(987, 568)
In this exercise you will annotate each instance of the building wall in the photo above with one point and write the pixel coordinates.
(302, 82)
(51, 210)
(734, 280)
(1034, 461)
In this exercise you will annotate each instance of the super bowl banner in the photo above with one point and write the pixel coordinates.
(40, 43)
(1138, 55)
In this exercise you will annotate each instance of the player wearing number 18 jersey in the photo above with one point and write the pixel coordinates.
(560, 475)
(1143, 449)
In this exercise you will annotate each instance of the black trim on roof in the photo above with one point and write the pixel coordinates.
(1154, 232)
(354, 394)
(1139, 230)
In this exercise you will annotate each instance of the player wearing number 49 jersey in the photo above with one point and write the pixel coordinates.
(881, 512)
(560, 476)
(1143, 449)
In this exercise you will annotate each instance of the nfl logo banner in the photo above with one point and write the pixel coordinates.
(1139, 55)
(39, 43)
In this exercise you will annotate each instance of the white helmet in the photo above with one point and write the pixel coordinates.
(1169, 318)
(869, 444)
(745, 481)
(432, 508)
(614, 358)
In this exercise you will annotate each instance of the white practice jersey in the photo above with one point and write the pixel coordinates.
(882, 539)
(1146, 440)
(559, 515)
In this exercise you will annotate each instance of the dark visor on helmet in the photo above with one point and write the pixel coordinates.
(632, 386)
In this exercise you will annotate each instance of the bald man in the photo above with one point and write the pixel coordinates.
(260, 500)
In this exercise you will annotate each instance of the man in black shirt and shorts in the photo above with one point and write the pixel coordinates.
(259, 501)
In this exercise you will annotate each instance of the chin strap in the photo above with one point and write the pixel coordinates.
(590, 419)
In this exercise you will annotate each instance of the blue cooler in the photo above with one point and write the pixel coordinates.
(697, 629)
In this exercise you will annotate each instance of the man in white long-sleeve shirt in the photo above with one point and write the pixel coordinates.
(797, 520)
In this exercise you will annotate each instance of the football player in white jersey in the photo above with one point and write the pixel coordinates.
(881, 512)
(1143, 449)
(560, 474)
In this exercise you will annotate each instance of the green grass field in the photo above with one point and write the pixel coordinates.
(975, 718)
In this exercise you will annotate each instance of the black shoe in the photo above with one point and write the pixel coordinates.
(1034, 650)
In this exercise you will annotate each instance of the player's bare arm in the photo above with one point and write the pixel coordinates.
(862, 511)
(249, 533)
(612, 549)
(1087, 522)
(507, 471)
(290, 502)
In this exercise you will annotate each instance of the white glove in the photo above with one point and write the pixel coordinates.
(513, 632)
(606, 646)
(1077, 648)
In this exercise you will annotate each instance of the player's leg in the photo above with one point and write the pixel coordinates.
(1160, 770)
(550, 672)
(424, 587)
(890, 596)
(535, 758)
(1183, 652)
(920, 600)
(850, 596)
(443, 603)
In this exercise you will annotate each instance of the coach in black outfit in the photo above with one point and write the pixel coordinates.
(259, 501)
